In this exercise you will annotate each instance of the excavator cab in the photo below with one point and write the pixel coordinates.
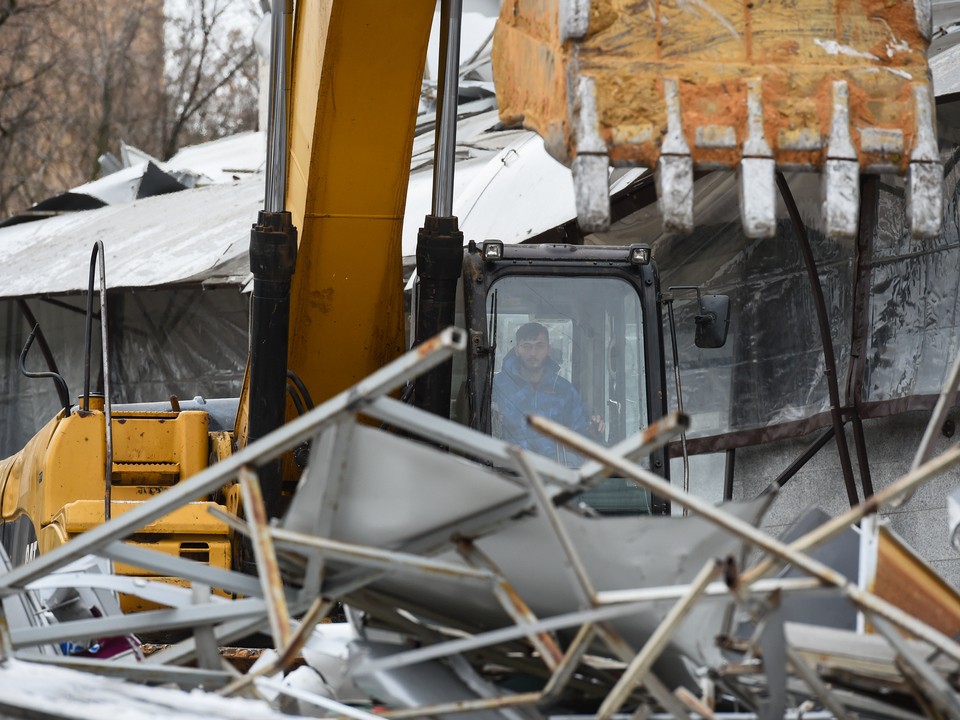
(604, 375)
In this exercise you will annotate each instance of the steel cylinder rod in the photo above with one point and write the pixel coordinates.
(440, 242)
(445, 137)
(275, 192)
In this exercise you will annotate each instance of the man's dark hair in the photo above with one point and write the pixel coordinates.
(531, 331)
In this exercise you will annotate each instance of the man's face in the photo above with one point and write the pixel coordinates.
(533, 353)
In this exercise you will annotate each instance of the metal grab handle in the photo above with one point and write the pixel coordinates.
(98, 253)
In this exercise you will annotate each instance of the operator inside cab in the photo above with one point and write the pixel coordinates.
(529, 382)
(569, 349)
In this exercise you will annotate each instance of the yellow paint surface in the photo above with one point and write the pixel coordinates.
(357, 70)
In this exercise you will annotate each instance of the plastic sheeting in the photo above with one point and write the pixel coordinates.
(771, 369)
(914, 300)
(893, 308)
(184, 342)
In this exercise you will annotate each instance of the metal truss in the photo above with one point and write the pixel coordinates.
(416, 501)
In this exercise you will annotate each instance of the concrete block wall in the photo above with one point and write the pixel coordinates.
(891, 444)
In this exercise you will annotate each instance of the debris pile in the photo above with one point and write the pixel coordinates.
(474, 581)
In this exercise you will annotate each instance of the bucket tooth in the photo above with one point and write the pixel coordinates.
(574, 18)
(758, 199)
(925, 175)
(840, 189)
(592, 193)
(675, 193)
(675, 168)
(591, 166)
(840, 186)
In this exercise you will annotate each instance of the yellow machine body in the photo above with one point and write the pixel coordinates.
(55, 487)
(353, 109)
(355, 81)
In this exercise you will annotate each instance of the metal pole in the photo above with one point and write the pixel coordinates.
(804, 458)
(676, 378)
(268, 569)
(730, 462)
(944, 403)
(581, 578)
(749, 533)
(641, 664)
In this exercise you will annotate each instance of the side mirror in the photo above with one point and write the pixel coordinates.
(713, 322)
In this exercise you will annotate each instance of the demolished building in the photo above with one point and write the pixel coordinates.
(891, 330)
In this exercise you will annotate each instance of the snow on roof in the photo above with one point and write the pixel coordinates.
(225, 160)
(198, 235)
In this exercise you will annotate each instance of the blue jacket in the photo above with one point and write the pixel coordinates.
(553, 397)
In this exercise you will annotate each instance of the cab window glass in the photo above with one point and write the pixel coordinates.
(571, 349)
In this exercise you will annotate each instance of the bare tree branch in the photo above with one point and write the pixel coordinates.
(79, 76)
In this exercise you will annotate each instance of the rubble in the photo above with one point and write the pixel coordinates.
(477, 584)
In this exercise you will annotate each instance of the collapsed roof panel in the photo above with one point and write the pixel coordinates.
(194, 236)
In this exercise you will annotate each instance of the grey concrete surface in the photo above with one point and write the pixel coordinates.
(891, 444)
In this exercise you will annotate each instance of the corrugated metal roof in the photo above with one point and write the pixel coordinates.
(198, 235)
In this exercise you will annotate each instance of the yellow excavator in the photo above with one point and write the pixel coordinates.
(838, 87)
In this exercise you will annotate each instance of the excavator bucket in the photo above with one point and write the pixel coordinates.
(841, 87)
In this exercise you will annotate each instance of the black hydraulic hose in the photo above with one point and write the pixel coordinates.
(296, 397)
(301, 388)
(823, 320)
(98, 260)
(58, 380)
(87, 335)
(62, 390)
